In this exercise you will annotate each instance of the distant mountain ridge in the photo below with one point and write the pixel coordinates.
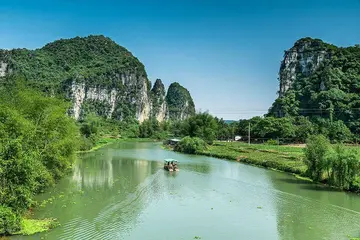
(229, 121)
(97, 75)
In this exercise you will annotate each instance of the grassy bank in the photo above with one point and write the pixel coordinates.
(283, 158)
(29, 226)
(276, 157)
(32, 226)
(101, 143)
(104, 141)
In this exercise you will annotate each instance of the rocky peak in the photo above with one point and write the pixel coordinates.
(158, 103)
(158, 88)
(179, 101)
(304, 58)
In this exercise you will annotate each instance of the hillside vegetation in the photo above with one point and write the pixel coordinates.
(320, 80)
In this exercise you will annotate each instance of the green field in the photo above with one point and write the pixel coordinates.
(280, 157)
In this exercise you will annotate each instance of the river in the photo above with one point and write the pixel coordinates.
(122, 192)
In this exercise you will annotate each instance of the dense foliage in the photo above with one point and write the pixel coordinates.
(153, 129)
(37, 145)
(190, 145)
(90, 58)
(337, 165)
(292, 129)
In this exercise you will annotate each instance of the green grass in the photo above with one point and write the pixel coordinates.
(32, 226)
(283, 158)
(109, 139)
(99, 144)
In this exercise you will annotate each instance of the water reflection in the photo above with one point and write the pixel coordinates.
(303, 213)
(93, 173)
(173, 174)
(203, 167)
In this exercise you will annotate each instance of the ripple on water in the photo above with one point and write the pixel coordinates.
(118, 218)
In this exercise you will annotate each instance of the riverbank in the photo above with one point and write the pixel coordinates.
(101, 143)
(30, 226)
(283, 158)
(104, 141)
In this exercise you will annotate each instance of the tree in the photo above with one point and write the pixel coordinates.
(339, 132)
(336, 131)
(345, 167)
(316, 156)
(201, 125)
(303, 128)
(37, 145)
(273, 128)
(190, 145)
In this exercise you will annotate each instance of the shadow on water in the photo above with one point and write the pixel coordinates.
(171, 174)
(318, 187)
(196, 167)
(309, 185)
(295, 181)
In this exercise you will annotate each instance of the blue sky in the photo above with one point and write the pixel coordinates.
(227, 53)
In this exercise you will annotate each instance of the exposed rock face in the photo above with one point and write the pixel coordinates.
(179, 102)
(158, 103)
(3, 68)
(79, 94)
(304, 58)
(129, 100)
(96, 74)
(319, 80)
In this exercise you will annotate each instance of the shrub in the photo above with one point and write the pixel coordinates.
(85, 143)
(344, 168)
(9, 221)
(190, 145)
(271, 142)
(316, 156)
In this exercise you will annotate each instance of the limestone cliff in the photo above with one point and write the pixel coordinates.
(303, 59)
(95, 73)
(318, 79)
(158, 103)
(179, 102)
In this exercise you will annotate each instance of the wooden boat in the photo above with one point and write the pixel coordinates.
(171, 165)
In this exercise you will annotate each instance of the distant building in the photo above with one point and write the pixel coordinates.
(237, 138)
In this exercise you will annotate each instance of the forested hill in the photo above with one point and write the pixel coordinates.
(318, 79)
(94, 72)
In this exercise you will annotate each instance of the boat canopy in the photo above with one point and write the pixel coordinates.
(170, 160)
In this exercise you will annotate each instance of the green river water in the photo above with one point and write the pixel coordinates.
(122, 192)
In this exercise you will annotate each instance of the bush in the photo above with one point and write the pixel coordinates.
(316, 156)
(85, 143)
(9, 221)
(344, 168)
(339, 165)
(271, 142)
(190, 145)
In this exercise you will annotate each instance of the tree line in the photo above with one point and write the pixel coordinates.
(285, 129)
